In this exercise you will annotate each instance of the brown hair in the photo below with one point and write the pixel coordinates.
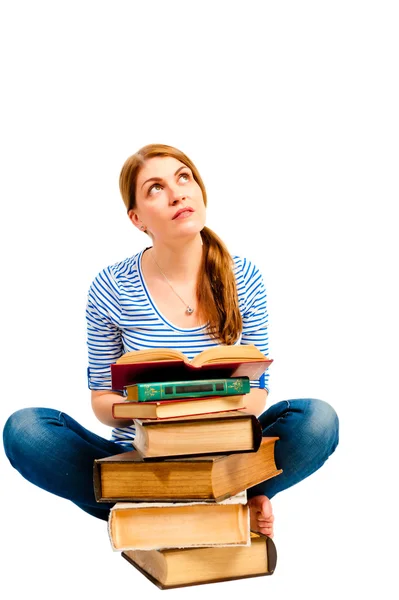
(216, 289)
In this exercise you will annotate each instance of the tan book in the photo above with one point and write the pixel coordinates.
(216, 354)
(193, 566)
(232, 431)
(162, 364)
(165, 409)
(150, 526)
(127, 477)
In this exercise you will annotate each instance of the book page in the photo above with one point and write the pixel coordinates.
(228, 353)
(239, 498)
(139, 356)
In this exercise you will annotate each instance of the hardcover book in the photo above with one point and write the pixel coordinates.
(151, 526)
(159, 364)
(232, 431)
(127, 477)
(168, 390)
(165, 409)
(194, 566)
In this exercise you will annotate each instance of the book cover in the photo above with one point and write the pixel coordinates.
(167, 390)
(126, 477)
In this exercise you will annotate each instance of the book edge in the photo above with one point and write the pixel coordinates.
(225, 415)
(198, 419)
(212, 500)
(239, 498)
(176, 418)
(167, 587)
(212, 459)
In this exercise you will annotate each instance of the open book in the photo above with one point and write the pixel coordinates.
(160, 364)
(210, 355)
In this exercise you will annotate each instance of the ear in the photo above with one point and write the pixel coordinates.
(133, 216)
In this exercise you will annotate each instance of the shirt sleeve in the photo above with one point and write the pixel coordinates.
(255, 316)
(104, 339)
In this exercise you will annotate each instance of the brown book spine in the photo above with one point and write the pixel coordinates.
(257, 432)
(97, 481)
(271, 554)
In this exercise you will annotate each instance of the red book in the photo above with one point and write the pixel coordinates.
(160, 364)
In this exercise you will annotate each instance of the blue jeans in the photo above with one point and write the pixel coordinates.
(54, 452)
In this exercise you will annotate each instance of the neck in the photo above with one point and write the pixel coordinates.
(180, 262)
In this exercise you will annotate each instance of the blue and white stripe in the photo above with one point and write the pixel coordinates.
(121, 317)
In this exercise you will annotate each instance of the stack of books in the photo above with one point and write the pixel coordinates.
(181, 515)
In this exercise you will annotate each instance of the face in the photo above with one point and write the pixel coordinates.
(169, 202)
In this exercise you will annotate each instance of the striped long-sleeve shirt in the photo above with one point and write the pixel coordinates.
(122, 316)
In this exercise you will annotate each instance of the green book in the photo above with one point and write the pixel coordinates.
(200, 388)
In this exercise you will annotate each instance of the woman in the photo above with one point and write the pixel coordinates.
(186, 292)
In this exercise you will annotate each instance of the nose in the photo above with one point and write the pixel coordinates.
(177, 196)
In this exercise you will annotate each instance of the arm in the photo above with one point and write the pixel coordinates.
(105, 345)
(255, 329)
(101, 403)
(102, 400)
(256, 401)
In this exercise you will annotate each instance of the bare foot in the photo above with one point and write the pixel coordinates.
(261, 515)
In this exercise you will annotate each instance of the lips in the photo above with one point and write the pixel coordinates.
(182, 210)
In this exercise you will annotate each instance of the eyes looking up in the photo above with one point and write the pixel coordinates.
(186, 177)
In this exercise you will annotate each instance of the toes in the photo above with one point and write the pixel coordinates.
(264, 524)
(260, 505)
(266, 531)
(264, 521)
(261, 522)
(269, 534)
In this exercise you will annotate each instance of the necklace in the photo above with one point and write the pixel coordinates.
(189, 310)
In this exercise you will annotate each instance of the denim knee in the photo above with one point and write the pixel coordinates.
(21, 431)
(322, 423)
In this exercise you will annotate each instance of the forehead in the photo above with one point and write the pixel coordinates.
(158, 166)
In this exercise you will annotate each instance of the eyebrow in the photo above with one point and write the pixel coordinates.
(160, 178)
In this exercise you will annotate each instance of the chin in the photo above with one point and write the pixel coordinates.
(189, 228)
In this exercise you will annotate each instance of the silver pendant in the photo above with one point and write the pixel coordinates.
(189, 310)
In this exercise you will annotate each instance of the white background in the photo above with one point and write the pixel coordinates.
(290, 112)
